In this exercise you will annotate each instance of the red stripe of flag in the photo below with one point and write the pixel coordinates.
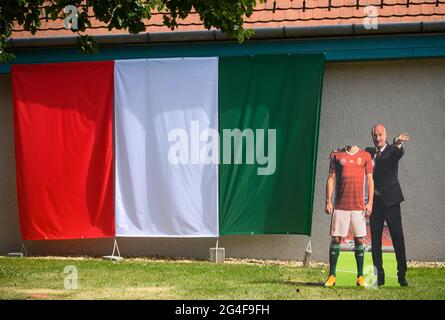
(63, 140)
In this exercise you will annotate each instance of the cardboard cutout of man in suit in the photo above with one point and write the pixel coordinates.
(387, 198)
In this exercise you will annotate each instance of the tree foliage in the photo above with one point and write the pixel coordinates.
(131, 15)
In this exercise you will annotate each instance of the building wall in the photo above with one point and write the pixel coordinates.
(405, 95)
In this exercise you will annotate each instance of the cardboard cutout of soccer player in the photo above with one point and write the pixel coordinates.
(347, 171)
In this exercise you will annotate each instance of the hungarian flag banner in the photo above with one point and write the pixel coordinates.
(162, 187)
(204, 147)
(63, 145)
(275, 101)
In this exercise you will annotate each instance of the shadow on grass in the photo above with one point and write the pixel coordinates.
(304, 284)
(293, 283)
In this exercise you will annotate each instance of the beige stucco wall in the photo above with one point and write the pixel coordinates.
(406, 95)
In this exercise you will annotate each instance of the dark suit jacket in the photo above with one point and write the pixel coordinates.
(385, 174)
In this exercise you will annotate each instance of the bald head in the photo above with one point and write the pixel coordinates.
(379, 135)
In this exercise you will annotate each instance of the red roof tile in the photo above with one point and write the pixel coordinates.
(286, 13)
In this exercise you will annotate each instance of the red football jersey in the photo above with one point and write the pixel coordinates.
(350, 170)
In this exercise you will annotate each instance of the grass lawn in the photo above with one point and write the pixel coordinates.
(347, 269)
(43, 278)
